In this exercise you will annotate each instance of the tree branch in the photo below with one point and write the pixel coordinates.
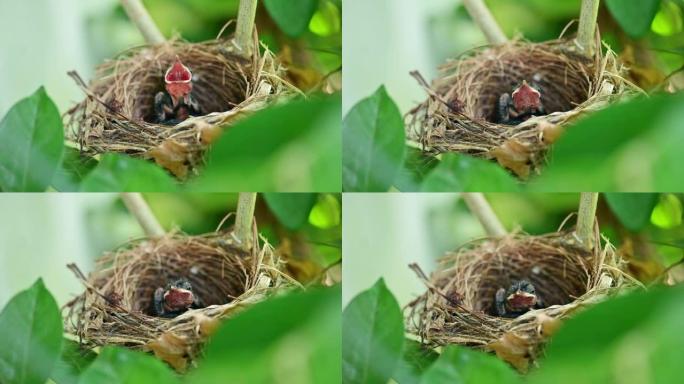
(244, 218)
(587, 26)
(479, 206)
(141, 18)
(586, 215)
(483, 18)
(142, 212)
(245, 26)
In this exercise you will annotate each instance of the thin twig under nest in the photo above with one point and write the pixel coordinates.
(117, 306)
(458, 306)
(460, 114)
(118, 112)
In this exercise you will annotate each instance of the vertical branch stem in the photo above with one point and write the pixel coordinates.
(479, 206)
(244, 218)
(141, 18)
(587, 26)
(483, 18)
(142, 212)
(586, 214)
(245, 26)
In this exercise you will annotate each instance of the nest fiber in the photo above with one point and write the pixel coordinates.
(118, 112)
(116, 308)
(458, 306)
(460, 114)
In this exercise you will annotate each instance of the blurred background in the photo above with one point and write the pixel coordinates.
(43, 39)
(385, 39)
(384, 233)
(42, 233)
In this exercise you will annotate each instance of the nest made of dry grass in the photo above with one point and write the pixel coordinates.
(459, 114)
(116, 308)
(117, 115)
(457, 307)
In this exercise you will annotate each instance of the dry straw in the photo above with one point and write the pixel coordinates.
(116, 308)
(460, 112)
(118, 112)
(457, 307)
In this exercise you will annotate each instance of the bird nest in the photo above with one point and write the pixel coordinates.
(118, 112)
(117, 306)
(460, 114)
(458, 307)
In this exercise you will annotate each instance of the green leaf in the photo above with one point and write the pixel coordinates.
(292, 16)
(296, 336)
(633, 209)
(460, 365)
(288, 148)
(373, 140)
(631, 338)
(416, 359)
(634, 17)
(119, 173)
(292, 209)
(31, 334)
(633, 146)
(121, 366)
(416, 167)
(460, 173)
(31, 144)
(668, 213)
(73, 170)
(373, 329)
(73, 361)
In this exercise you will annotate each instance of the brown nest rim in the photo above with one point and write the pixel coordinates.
(459, 114)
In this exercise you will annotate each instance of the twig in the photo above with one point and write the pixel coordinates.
(244, 217)
(587, 26)
(484, 19)
(245, 26)
(141, 18)
(479, 206)
(142, 212)
(586, 215)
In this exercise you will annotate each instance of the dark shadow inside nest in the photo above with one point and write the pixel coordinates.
(216, 87)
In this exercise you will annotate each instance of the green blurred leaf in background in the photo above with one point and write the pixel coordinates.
(373, 139)
(415, 360)
(120, 173)
(295, 338)
(292, 16)
(73, 169)
(292, 209)
(460, 365)
(293, 147)
(373, 329)
(634, 17)
(31, 144)
(633, 209)
(122, 366)
(461, 173)
(72, 362)
(31, 334)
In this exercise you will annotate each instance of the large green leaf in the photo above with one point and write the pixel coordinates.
(634, 338)
(373, 141)
(121, 366)
(289, 148)
(72, 362)
(416, 359)
(633, 209)
(292, 209)
(292, 16)
(416, 167)
(634, 17)
(628, 147)
(73, 170)
(295, 338)
(119, 173)
(460, 173)
(31, 334)
(31, 144)
(460, 365)
(373, 329)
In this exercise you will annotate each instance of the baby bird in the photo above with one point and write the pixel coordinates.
(519, 298)
(175, 299)
(176, 103)
(523, 103)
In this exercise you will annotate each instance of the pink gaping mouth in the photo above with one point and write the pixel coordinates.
(521, 300)
(177, 298)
